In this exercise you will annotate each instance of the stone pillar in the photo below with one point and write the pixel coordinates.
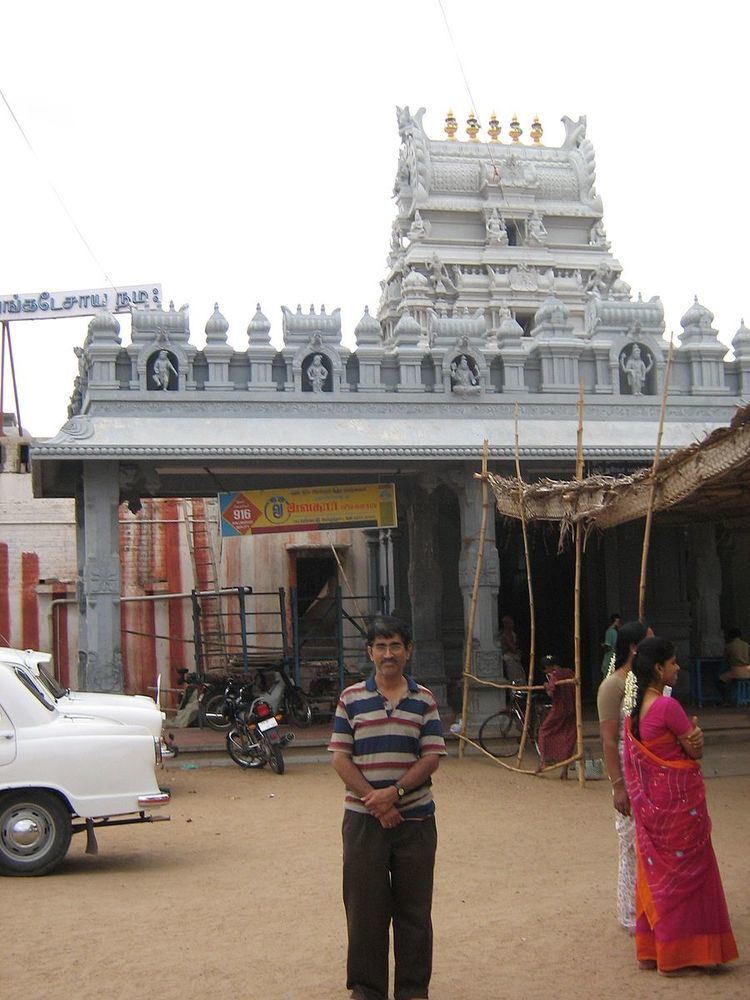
(705, 574)
(482, 701)
(100, 657)
(426, 592)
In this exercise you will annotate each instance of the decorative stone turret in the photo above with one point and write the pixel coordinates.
(741, 345)
(408, 336)
(556, 346)
(161, 354)
(512, 352)
(218, 352)
(370, 353)
(260, 353)
(313, 356)
(703, 350)
(102, 347)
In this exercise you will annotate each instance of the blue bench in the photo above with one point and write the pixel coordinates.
(740, 693)
(701, 693)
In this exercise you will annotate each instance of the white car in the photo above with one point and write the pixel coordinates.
(136, 710)
(65, 768)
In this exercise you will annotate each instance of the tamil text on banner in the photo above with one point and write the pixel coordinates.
(307, 508)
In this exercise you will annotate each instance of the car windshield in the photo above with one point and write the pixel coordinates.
(39, 692)
(49, 680)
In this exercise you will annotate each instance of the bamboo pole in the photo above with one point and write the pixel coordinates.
(469, 641)
(652, 494)
(517, 687)
(512, 767)
(346, 578)
(577, 601)
(532, 611)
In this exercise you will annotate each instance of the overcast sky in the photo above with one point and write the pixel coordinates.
(247, 152)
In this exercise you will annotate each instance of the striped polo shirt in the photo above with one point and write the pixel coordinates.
(385, 743)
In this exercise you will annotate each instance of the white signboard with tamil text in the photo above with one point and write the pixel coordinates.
(52, 305)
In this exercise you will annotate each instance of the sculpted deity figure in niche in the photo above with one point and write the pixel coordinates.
(598, 235)
(496, 230)
(636, 369)
(463, 377)
(163, 369)
(535, 230)
(417, 230)
(317, 373)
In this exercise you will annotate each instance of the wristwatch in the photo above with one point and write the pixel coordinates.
(400, 791)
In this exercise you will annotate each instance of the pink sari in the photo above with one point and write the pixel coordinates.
(681, 913)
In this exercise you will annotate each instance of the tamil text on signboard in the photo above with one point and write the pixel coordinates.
(307, 508)
(51, 305)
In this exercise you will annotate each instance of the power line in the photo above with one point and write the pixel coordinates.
(495, 166)
(57, 193)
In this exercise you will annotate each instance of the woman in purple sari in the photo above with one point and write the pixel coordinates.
(681, 914)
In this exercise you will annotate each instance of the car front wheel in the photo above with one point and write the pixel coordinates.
(35, 831)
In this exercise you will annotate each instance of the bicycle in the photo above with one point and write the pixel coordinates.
(500, 733)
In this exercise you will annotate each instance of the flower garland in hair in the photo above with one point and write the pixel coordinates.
(631, 693)
(611, 667)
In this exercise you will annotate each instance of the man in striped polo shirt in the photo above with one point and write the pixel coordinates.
(387, 741)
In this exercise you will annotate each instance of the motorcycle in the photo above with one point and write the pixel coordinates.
(205, 692)
(253, 739)
(284, 695)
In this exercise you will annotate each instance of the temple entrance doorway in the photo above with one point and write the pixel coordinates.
(553, 579)
(315, 575)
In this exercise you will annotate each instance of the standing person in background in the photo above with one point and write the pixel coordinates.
(681, 915)
(387, 741)
(511, 651)
(610, 702)
(557, 733)
(610, 642)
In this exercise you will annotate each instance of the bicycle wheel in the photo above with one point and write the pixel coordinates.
(498, 736)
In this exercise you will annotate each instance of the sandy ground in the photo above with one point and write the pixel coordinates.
(239, 895)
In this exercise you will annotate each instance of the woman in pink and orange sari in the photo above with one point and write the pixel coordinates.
(681, 915)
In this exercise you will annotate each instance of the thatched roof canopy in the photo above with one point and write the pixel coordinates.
(704, 481)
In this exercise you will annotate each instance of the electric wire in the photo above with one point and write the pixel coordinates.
(495, 166)
(57, 194)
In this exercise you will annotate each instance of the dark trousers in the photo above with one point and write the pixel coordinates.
(388, 876)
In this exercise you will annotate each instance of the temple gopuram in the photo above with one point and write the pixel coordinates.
(501, 295)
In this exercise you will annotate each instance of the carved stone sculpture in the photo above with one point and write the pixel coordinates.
(317, 373)
(417, 230)
(575, 132)
(636, 369)
(440, 279)
(497, 234)
(163, 370)
(600, 280)
(598, 235)
(464, 379)
(535, 230)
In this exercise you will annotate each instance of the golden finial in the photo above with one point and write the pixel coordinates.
(493, 129)
(536, 130)
(472, 126)
(515, 129)
(451, 125)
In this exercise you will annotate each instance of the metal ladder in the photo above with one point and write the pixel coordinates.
(201, 518)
